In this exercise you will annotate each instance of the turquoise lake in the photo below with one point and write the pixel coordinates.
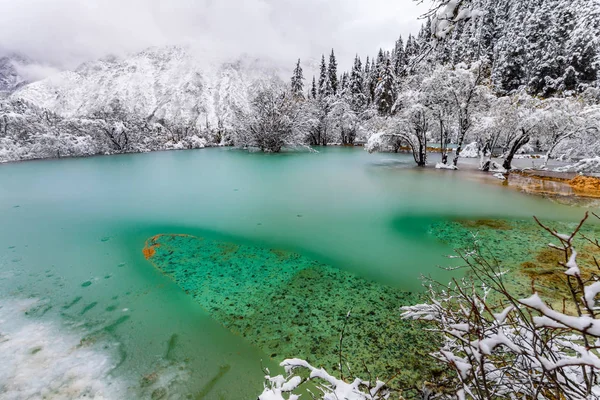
(72, 233)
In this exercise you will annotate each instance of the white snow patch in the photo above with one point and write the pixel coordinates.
(445, 166)
(40, 360)
(585, 165)
(501, 317)
(471, 151)
(573, 268)
(554, 319)
(591, 291)
(495, 167)
(526, 149)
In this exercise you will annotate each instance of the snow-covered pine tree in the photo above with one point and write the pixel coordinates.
(582, 49)
(323, 76)
(332, 71)
(399, 59)
(543, 50)
(325, 87)
(385, 95)
(443, 52)
(424, 33)
(344, 82)
(458, 40)
(380, 65)
(313, 90)
(470, 39)
(375, 73)
(356, 86)
(412, 47)
(487, 34)
(298, 82)
(327, 90)
(509, 71)
(427, 31)
(371, 77)
(366, 76)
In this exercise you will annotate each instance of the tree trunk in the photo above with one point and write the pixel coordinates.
(519, 142)
(422, 156)
(443, 142)
(463, 126)
(550, 150)
(546, 159)
(461, 139)
(420, 160)
(485, 157)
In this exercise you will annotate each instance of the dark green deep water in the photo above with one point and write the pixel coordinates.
(281, 247)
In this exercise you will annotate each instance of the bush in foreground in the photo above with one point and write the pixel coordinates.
(499, 346)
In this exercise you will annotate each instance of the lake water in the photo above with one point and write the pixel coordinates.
(99, 315)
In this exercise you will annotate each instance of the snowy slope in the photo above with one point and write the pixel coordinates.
(160, 83)
(10, 79)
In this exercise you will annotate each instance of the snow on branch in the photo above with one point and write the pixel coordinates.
(444, 14)
(282, 388)
(517, 348)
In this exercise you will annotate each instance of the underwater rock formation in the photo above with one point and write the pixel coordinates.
(292, 306)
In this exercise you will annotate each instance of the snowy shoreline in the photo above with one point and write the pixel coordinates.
(7, 162)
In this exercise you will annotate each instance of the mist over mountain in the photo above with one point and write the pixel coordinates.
(10, 79)
(161, 83)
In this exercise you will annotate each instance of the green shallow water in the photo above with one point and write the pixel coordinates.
(289, 305)
(521, 247)
(72, 233)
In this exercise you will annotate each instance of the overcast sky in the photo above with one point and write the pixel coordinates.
(64, 33)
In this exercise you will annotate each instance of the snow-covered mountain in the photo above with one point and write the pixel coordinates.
(167, 83)
(10, 79)
(160, 98)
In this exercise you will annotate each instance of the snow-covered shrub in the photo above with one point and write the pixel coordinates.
(342, 121)
(498, 345)
(501, 346)
(409, 129)
(272, 123)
